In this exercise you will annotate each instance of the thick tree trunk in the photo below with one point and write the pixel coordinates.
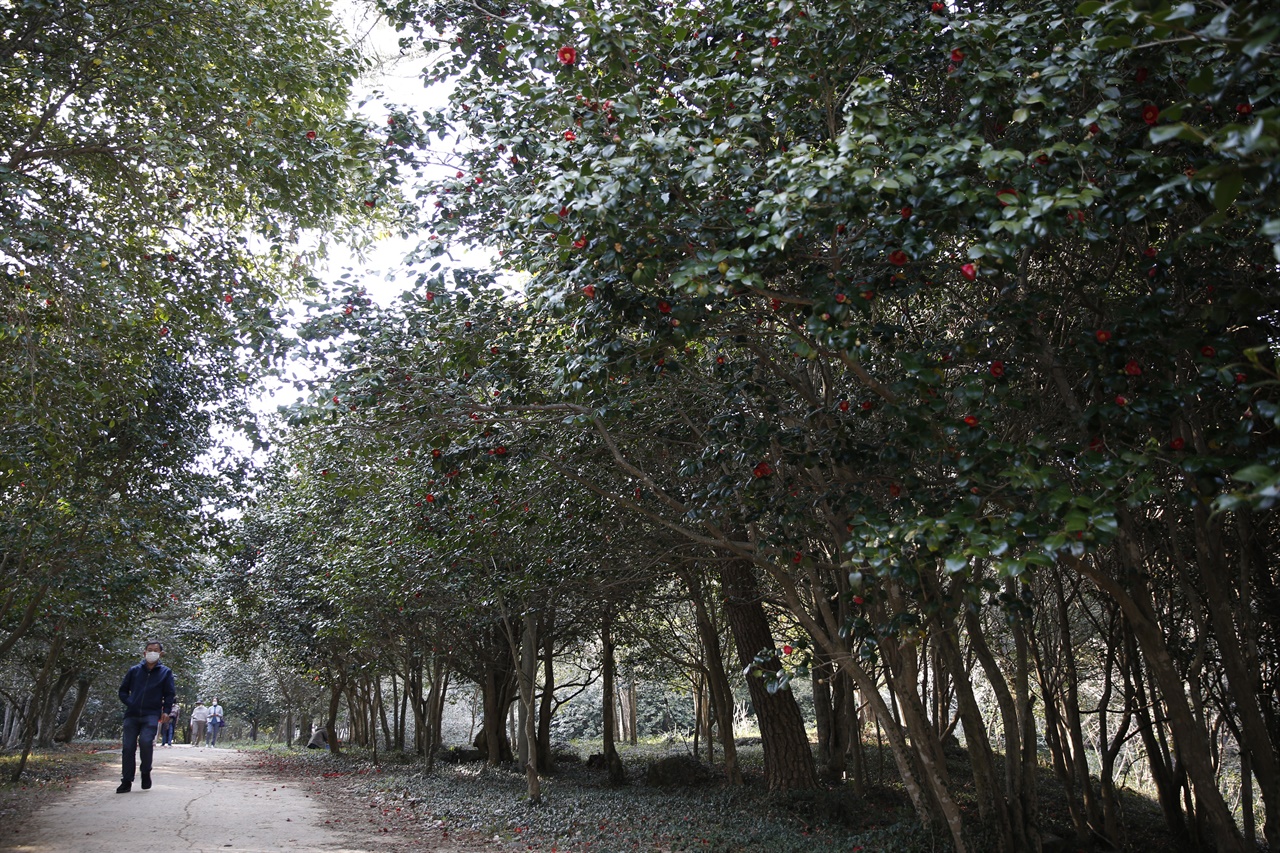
(788, 758)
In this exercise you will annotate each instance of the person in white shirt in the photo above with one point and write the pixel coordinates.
(216, 722)
(199, 719)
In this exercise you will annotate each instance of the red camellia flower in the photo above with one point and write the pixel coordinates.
(1102, 336)
(957, 56)
(894, 490)
(1140, 76)
(580, 243)
(590, 291)
(970, 420)
(228, 298)
(1122, 400)
(796, 558)
(762, 470)
(897, 257)
(997, 369)
(311, 134)
(906, 212)
(1240, 378)
(857, 599)
(1150, 113)
(435, 454)
(867, 405)
(774, 41)
(969, 271)
(868, 295)
(840, 298)
(1244, 109)
(564, 211)
(368, 202)
(570, 135)
(494, 350)
(937, 8)
(567, 55)
(430, 499)
(664, 307)
(1177, 443)
(1007, 197)
(1094, 129)
(1149, 252)
(1133, 368)
(786, 649)
(775, 304)
(844, 405)
(1208, 351)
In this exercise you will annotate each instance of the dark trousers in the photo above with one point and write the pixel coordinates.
(139, 736)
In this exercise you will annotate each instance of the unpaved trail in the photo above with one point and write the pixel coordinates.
(202, 801)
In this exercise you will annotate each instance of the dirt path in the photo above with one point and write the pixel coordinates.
(203, 800)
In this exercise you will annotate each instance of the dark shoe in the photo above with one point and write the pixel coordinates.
(146, 781)
(124, 787)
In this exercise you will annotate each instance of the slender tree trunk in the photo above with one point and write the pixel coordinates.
(547, 703)
(331, 723)
(1230, 627)
(1193, 747)
(617, 773)
(717, 678)
(68, 730)
(527, 669)
(632, 701)
(42, 680)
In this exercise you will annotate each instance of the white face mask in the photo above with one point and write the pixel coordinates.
(152, 657)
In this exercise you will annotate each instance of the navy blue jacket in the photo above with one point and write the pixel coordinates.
(146, 691)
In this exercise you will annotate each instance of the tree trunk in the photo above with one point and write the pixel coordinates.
(68, 730)
(546, 704)
(617, 773)
(788, 758)
(717, 678)
(331, 722)
(1191, 738)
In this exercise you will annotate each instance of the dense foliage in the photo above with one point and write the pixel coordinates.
(163, 170)
(950, 322)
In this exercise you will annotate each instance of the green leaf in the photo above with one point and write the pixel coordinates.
(1227, 189)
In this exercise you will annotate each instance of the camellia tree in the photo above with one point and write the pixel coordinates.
(987, 292)
(164, 171)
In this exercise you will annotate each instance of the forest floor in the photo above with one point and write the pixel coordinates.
(273, 798)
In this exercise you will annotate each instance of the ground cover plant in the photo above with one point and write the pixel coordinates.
(475, 805)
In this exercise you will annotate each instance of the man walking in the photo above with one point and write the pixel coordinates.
(216, 722)
(147, 692)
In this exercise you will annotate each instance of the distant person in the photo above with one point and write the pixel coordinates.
(199, 719)
(216, 722)
(319, 739)
(147, 692)
(167, 730)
